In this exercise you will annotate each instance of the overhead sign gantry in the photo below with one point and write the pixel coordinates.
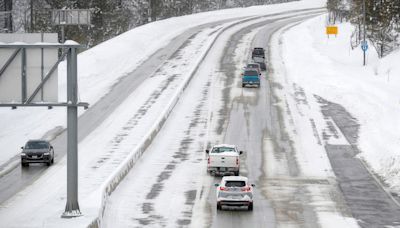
(19, 67)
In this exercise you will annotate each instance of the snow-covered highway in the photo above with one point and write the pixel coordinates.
(98, 158)
(142, 160)
(169, 185)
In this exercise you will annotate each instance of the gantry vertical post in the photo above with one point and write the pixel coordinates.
(72, 207)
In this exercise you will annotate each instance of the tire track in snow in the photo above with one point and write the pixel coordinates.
(173, 72)
(193, 129)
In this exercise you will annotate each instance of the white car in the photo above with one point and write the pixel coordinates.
(234, 191)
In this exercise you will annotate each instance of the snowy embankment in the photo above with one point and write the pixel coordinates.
(99, 69)
(329, 68)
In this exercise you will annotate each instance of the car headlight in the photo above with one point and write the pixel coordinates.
(46, 153)
(23, 154)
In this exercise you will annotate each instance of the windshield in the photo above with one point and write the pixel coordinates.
(251, 73)
(37, 145)
(258, 59)
(252, 65)
(235, 184)
(223, 149)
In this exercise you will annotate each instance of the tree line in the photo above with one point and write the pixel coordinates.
(111, 17)
(382, 21)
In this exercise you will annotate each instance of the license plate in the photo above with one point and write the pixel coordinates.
(223, 169)
(34, 156)
(236, 197)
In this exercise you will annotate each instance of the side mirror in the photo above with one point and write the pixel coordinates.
(216, 185)
(51, 147)
(240, 152)
(253, 185)
(207, 151)
(259, 74)
(22, 147)
(241, 74)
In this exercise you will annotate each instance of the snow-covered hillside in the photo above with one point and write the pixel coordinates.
(329, 68)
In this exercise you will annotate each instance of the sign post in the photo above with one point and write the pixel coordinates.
(364, 47)
(65, 17)
(72, 206)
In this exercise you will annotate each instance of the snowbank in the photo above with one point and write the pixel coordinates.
(328, 67)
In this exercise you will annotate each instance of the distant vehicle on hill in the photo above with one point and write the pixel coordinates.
(252, 66)
(258, 52)
(250, 77)
(260, 61)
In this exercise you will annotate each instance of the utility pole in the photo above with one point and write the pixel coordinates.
(364, 41)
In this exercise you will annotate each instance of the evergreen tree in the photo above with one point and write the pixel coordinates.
(113, 17)
(381, 20)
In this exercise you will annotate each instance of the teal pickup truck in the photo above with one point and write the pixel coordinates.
(250, 77)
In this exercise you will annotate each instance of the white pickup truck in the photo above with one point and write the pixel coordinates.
(223, 159)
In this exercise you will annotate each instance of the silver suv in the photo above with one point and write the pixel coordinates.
(253, 66)
(37, 151)
(234, 191)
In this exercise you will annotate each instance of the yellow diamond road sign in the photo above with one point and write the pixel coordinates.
(331, 30)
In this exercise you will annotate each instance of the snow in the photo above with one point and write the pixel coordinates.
(316, 64)
(370, 93)
(332, 220)
(70, 42)
(99, 69)
(163, 158)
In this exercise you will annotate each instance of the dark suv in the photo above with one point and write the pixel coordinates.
(261, 62)
(37, 151)
(258, 52)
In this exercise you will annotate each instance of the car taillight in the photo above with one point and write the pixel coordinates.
(237, 161)
(246, 189)
(208, 160)
(222, 188)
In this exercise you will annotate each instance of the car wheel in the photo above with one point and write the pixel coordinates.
(243, 85)
(219, 207)
(24, 164)
(52, 160)
(250, 207)
(237, 173)
(48, 163)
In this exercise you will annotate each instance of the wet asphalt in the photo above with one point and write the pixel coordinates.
(369, 201)
(248, 120)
